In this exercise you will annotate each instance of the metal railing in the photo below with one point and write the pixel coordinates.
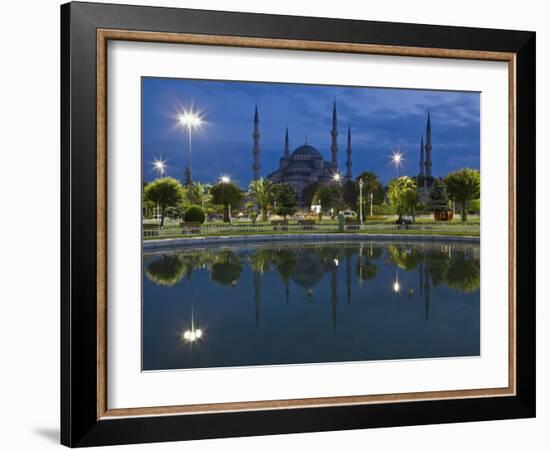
(317, 227)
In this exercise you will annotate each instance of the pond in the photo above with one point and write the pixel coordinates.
(299, 302)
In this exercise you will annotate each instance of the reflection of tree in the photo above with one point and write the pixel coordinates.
(227, 268)
(261, 259)
(365, 268)
(167, 270)
(404, 257)
(437, 263)
(285, 262)
(463, 272)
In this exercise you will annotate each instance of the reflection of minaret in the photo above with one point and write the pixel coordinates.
(426, 292)
(334, 293)
(256, 148)
(348, 277)
(334, 135)
(348, 161)
(429, 147)
(257, 296)
(287, 291)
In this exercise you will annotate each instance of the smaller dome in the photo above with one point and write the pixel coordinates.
(306, 150)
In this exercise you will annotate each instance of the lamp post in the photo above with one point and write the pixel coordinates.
(361, 184)
(160, 166)
(371, 196)
(190, 120)
(226, 179)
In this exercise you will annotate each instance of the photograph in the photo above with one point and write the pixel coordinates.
(307, 223)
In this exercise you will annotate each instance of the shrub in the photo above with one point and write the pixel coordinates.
(384, 208)
(194, 214)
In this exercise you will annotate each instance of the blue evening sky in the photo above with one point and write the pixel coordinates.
(380, 120)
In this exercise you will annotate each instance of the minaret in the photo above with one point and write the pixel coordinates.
(286, 152)
(334, 134)
(348, 161)
(422, 162)
(429, 148)
(256, 148)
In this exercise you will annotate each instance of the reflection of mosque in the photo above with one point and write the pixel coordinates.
(457, 267)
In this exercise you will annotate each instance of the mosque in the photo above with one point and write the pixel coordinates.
(306, 165)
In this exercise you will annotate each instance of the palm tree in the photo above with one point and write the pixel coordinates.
(199, 194)
(371, 183)
(262, 191)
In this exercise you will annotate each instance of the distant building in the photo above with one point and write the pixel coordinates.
(305, 165)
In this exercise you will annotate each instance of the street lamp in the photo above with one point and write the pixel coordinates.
(160, 166)
(226, 179)
(190, 120)
(371, 197)
(397, 160)
(361, 184)
(337, 177)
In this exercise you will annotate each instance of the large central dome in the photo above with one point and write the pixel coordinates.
(307, 150)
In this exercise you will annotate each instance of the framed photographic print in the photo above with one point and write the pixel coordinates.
(277, 224)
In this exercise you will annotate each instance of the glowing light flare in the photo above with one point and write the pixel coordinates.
(396, 286)
(225, 179)
(397, 158)
(190, 119)
(337, 177)
(160, 166)
(192, 335)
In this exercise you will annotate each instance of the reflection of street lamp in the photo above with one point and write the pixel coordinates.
(361, 184)
(193, 334)
(396, 286)
(190, 120)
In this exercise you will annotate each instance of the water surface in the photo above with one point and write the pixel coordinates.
(294, 303)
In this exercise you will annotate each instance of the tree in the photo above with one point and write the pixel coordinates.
(402, 195)
(439, 199)
(262, 191)
(187, 182)
(199, 194)
(350, 193)
(463, 186)
(371, 184)
(226, 194)
(309, 192)
(328, 196)
(284, 199)
(164, 192)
